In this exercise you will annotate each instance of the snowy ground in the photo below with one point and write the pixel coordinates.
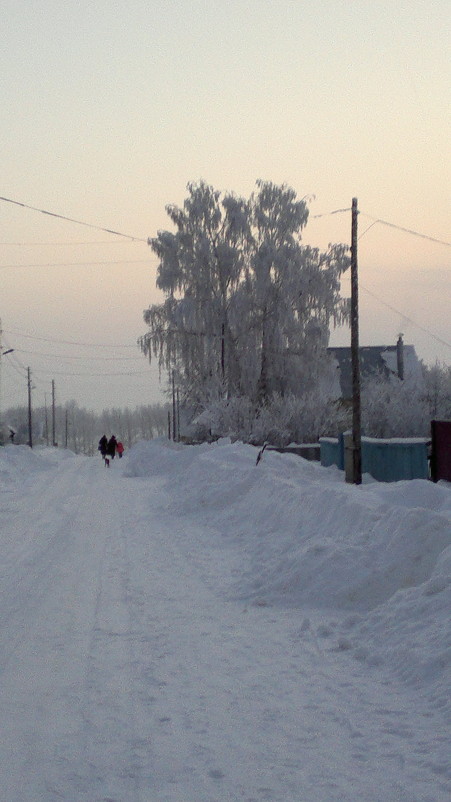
(187, 626)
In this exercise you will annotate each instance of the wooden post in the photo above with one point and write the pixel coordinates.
(355, 359)
(223, 352)
(178, 416)
(46, 421)
(54, 443)
(174, 410)
(30, 422)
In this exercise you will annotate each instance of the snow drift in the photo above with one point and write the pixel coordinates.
(376, 557)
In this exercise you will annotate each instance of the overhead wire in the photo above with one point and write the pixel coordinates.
(401, 228)
(328, 214)
(19, 366)
(69, 342)
(146, 239)
(79, 264)
(83, 358)
(73, 220)
(40, 371)
(406, 317)
(50, 242)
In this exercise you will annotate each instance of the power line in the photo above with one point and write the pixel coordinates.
(99, 375)
(72, 220)
(67, 342)
(80, 264)
(17, 368)
(384, 223)
(328, 214)
(146, 240)
(50, 242)
(401, 228)
(406, 317)
(82, 358)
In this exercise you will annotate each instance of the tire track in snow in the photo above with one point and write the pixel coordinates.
(64, 729)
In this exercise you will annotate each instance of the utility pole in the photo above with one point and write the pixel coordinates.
(66, 429)
(223, 352)
(54, 443)
(46, 420)
(2, 353)
(355, 360)
(30, 423)
(174, 409)
(178, 416)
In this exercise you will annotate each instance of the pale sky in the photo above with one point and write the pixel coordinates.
(109, 109)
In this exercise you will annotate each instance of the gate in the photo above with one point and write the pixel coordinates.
(441, 450)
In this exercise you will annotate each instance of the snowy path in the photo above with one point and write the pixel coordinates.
(127, 677)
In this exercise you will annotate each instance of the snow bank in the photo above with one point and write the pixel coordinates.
(378, 556)
(18, 462)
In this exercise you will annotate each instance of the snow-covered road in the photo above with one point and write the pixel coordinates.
(133, 668)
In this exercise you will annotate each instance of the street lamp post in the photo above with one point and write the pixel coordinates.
(2, 353)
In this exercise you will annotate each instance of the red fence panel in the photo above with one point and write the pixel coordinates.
(441, 450)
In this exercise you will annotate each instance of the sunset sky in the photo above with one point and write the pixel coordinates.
(109, 109)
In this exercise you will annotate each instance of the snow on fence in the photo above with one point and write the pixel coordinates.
(309, 451)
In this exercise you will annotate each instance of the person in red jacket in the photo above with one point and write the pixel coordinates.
(119, 448)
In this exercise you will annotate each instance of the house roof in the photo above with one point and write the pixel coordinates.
(374, 359)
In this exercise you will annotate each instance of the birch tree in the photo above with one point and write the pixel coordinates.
(248, 306)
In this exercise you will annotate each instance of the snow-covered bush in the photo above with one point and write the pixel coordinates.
(281, 421)
(232, 418)
(297, 419)
(394, 408)
(437, 380)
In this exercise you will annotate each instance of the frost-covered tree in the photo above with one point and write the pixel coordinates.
(437, 380)
(394, 408)
(200, 270)
(295, 292)
(248, 307)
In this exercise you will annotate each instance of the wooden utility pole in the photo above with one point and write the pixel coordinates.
(178, 415)
(54, 443)
(30, 422)
(46, 421)
(355, 360)
(223, 352)
(174, 409)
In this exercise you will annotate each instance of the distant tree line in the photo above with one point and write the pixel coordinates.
(80, 429)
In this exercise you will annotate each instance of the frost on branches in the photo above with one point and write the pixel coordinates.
(247, 307)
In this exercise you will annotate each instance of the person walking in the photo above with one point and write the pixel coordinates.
(103, 448)
(119, 448)
(112, 445)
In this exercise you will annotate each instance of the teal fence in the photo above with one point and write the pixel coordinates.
(385, 460)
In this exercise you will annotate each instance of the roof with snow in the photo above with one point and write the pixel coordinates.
(374, 359)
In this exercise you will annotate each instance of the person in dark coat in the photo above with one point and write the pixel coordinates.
(111, 448)
(103, 445)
